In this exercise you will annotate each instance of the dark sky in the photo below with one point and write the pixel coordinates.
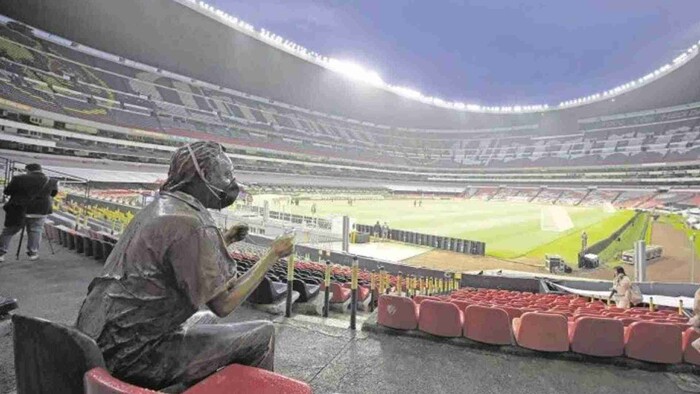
(488, 52)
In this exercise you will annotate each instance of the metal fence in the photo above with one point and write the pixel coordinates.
(434, 241)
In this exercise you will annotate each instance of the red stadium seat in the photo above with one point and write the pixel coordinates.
(397, 312)
(600, 337)
(99, 381)
(362, 293)
(234, 379)
(420, 298)
(440, 318)
(542, 331)
(241, 379)
(462, 305)
(654, 342)
(512, 312)
(340, 294)
(488, 325)
(690, 355)
(627, 320)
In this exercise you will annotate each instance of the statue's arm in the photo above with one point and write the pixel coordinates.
(238, 289)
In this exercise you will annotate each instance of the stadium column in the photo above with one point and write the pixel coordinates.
(346, 234)
(381, 280)
(372, 289)
(327, 292)
(290, 282)
(398, 284)
(640, 260)
(353, 295)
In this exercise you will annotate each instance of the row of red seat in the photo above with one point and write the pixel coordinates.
(602, 336)
(570, 306)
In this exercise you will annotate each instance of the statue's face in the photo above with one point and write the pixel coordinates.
(222, 180)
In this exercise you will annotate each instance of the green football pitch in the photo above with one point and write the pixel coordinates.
(510, 229)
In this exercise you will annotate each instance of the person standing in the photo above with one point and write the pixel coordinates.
(695, 320)
(31, 200)
(624, 293)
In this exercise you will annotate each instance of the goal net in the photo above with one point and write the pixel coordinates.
(555, 219)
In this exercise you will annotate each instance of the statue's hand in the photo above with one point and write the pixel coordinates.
(236, 233)
(283, 246)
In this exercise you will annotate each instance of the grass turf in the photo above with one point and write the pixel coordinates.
(510, 229)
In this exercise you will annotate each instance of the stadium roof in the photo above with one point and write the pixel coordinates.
(201, 48)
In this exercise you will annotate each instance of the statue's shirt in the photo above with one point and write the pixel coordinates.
(169, 262)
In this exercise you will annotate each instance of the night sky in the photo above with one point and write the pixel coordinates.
(488, 52)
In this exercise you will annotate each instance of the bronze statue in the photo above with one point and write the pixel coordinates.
(171, 261)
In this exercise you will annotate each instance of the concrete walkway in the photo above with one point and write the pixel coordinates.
(328, 355)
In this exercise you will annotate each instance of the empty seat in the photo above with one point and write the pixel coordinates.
(51, 358)
(267, 292)
(233, 379)
(626, 321)
(397, 312)
(440, 318)
(340, 294)
(240, 379)
(306, 291)
(690, 355)
(420, 298)
(654, 342)
(512, 312)
(461, 304)
(99, 381)
(362, 291)
(488, 325)
(542, 331)
(600, 337)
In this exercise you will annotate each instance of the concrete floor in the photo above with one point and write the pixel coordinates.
(332, 358)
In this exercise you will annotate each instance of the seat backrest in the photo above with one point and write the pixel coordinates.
(51, 357)
(420, 298)
(99, 381)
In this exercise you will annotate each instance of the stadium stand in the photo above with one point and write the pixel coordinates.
(64, 80)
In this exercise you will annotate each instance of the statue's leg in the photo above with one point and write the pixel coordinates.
(195, 352)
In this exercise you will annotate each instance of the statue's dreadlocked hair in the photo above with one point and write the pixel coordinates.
(182, 169)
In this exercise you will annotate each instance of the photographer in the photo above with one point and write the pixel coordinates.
(30, 202)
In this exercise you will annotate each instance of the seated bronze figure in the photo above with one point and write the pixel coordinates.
(170, 262)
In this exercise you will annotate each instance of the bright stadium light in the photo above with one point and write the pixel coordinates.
(355, 71)
(407, 92)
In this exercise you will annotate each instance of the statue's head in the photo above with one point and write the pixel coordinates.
(203, 170)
